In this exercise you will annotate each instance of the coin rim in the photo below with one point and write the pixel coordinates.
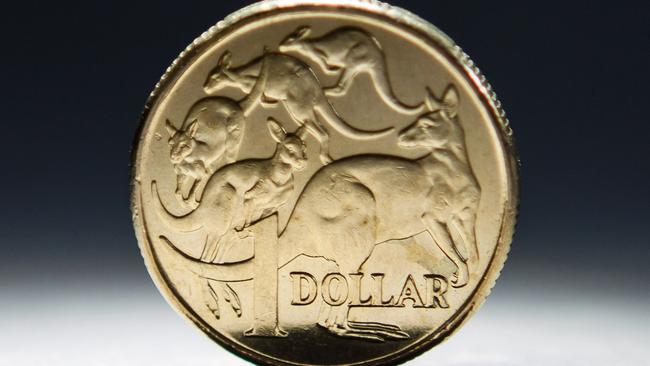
(402, 19)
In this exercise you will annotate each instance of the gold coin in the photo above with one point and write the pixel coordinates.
(324, 182)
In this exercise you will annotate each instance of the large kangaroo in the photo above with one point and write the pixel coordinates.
(208, 139)
(349, 52)
(274, 78)
(356, 203)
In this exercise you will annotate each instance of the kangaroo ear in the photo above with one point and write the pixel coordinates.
(277, 132)
(431, 101)
(225, 60)
(301, 132)
(171, 130)
(303, 32)
(450, 101)
(191, 129)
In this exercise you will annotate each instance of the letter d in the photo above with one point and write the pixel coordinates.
(301, 297)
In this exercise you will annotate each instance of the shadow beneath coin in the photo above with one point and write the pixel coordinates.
(316, 345)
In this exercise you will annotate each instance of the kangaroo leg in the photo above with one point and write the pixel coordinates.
(180, 185)
(212, 299)
(180, 180)
(342, 86)
(247, 83)
(327, 313)
(213, 246)
(308, 119)
(321, 135)
(321, 60)
(191, 202)
(253, 98)
(191, 194)
(323, 138)
(442, 238)
(217, 247)
(459, 236)
(198, 189)
(247, 76)
(338, 323)
(208, 249)
(325, 316)
(334, 318)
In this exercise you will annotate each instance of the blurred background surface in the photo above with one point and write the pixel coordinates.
(573, 77)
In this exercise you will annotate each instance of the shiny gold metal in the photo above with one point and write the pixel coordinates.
(324, 182)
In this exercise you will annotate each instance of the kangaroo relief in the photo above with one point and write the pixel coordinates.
(278, 78)
(242, 193)
(351, 205)
(355, 198)
(349, 52)
(208, 139)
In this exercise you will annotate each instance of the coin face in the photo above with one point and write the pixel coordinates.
(324, 182)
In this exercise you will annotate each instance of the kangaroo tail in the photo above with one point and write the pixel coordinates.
(167, 252)
(385, 90)
(329, 114)
(179, 223)
(462, 242)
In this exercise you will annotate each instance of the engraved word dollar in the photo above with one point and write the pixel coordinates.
(336, 290)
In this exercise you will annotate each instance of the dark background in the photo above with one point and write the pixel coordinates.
(572, 76)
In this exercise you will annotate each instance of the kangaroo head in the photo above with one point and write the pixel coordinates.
(181, 142)
(294, 41)
(221, 76)
(291, 148)
(435, 129)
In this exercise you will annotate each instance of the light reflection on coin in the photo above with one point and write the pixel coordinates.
(335, 184)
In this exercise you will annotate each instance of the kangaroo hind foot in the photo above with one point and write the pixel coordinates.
(368, 331)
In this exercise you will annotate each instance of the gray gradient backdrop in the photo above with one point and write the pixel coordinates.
(573, 77)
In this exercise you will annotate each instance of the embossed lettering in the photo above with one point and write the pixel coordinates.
(436, 288)
(302, 280)
(410, 292)
(335, 289)
(357, 298)
(378, 299)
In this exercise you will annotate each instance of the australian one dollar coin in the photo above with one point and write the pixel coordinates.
(324, 183)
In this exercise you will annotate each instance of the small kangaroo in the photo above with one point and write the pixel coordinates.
(208, 139)
(350, 52)
(274, 78)
(242, 193)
